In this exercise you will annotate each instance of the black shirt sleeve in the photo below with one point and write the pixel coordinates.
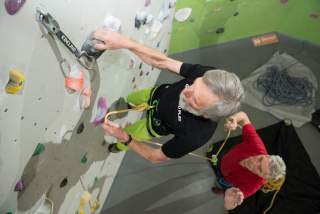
(183, 144)
(194, 71)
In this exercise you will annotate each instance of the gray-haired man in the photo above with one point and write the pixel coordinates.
(188, 109)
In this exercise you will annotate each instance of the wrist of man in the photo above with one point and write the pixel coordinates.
(127, 140)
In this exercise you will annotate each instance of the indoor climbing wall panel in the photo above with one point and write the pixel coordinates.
(52, 157)
(218, 21)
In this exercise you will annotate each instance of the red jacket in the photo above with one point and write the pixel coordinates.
(236, 174)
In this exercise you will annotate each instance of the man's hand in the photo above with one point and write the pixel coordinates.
(115, 130)
(233, 197)
(105, 38)
(235, 120)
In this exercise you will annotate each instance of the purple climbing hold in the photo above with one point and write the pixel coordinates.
(147, 3)
(284, 1)
(101, 111)
(13, 6)
(19, 186)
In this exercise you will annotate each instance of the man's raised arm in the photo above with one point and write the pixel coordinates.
(110, 40)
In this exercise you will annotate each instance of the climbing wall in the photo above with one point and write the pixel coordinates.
(51, 155)
(219, 21)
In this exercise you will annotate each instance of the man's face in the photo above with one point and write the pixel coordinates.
(197, 97)
(259, 165)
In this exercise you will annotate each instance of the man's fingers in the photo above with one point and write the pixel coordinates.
(112, 124)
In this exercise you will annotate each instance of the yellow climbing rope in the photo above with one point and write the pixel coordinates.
(140, 108)
(271, 185)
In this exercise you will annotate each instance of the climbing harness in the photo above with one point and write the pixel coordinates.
(53, 29)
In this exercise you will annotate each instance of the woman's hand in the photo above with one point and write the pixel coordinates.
(105, 38)
(115, 130)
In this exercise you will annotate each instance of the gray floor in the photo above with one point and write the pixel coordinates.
(183, 186)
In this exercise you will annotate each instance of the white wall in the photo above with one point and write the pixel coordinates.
(48, 110)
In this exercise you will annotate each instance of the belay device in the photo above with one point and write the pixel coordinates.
(53, 28)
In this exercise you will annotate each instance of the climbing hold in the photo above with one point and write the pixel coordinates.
(84, 158)
(141, 73)
(80, 128)
(95, 206)
(131, 63)
(314, 15)
(74, 81)
(19, 186)
(13, 6)
(147, 3)
(220, 30)
(183, 14)
(155, 29)
(39, 149)
(147, 73)
(16, 81)
(133, 79)
(165, 51)
(284, 1)
(85, 198)
(140, 19)
(64, 182)
(84, 99)
(112, 23)
(236, 14)
(158, 44)
(140, 66)
(9, 212)
(101, 111)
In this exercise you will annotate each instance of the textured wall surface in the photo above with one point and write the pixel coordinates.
(44, 113)
(244, 18)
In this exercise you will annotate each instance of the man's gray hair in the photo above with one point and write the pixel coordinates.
(277, 167)
(227, 86)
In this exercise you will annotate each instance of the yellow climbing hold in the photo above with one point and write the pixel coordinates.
(85, 198)
(95, 206)
(16, 81)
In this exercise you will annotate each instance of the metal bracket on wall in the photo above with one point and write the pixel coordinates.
(53, 29)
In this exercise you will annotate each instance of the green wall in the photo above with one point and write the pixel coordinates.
(254, 17)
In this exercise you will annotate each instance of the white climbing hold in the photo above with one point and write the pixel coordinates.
(113, 23)
(155, 29)
(183, 14)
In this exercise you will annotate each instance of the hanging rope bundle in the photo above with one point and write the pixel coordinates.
(281, 88)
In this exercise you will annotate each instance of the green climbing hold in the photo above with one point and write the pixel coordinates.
(84, 158)
(39, 149)
(96, 180)
(9, 212)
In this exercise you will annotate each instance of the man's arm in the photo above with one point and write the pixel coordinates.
(151, 154)
(108, 39)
